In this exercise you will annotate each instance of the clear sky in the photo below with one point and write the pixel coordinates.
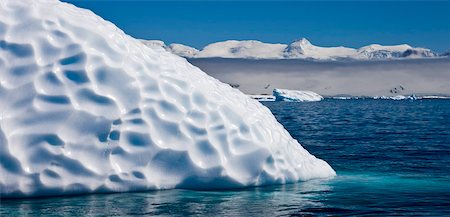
(324, 23)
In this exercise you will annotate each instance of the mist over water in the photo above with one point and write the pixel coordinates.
(329, 78)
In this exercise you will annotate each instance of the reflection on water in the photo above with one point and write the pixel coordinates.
(266, 201)
(347, 194)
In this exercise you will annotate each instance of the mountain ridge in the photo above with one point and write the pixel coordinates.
(298, 49)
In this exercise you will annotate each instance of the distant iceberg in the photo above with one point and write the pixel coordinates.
(434, 97)
(296, 95)
(345, 97)
(397, 97)
(86, 108)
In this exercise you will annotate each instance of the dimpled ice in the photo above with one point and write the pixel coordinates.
(86, 108)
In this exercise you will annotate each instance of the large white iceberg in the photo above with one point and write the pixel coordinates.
(86, 108)
(296, 95)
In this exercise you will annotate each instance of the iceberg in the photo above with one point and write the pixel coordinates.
(296, 95)
(346, 97)
(433, 97)
(86, 108)
(397, 97)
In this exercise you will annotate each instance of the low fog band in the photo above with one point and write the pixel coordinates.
(330, 78)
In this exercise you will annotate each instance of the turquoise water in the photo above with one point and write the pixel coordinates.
(392, 158)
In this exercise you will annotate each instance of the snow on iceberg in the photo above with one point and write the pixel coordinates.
(86, 108)
(296, 95)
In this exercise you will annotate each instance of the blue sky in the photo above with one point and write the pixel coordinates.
(324, 23)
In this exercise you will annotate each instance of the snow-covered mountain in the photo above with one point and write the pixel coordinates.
(242, 49)
(302, 48)
(154, 43)
(445, 54)
(178, 49)
(376, 51)
(182, 50)
(299, 49)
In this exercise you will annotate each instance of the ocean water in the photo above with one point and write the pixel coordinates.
(391, 157)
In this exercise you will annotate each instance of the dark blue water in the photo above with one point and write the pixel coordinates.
(392, 158)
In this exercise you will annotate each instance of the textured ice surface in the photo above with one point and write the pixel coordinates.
(86, 108)
(296, 95)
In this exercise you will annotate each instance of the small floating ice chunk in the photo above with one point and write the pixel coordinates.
(296, 95)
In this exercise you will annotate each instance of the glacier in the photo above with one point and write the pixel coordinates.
(86, 108)
(296, 95)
